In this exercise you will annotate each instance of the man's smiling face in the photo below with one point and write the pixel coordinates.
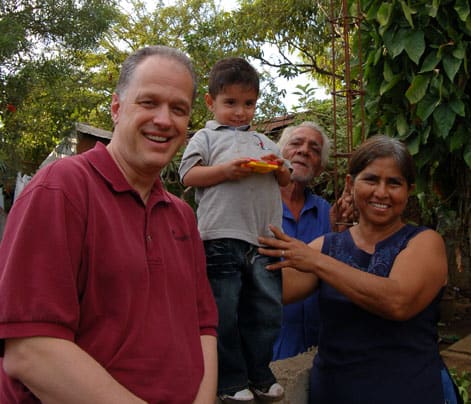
(303, 150)
(151, 116)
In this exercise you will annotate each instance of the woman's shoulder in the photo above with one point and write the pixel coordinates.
(422, 234)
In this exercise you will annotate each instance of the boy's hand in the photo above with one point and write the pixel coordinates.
(235, 170)
(273, 159)
(282, 173)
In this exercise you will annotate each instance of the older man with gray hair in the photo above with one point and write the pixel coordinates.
(306, 216)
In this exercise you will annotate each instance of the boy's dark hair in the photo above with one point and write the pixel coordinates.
(230, 71)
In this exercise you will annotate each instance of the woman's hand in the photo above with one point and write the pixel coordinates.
(294, 252)
(298, 282)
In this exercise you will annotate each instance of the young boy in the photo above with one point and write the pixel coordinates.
(236, 203)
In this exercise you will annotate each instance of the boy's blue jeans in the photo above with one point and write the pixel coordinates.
(248, 297)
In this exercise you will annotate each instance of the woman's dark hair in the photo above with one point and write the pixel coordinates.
(381, 146)
(230, 71)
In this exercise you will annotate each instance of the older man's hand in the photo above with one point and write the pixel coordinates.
(342, 213)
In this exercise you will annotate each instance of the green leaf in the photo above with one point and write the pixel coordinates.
(395, 42)
(387, 72)
(384, 14)
(413, 145)
(377, 56)
(415, 45)
(462, 8)
(371, 12)
(402, 125)
(417, 88)
(408, 13)
(458, 138)
(459, 52)
(431, 61)
(451, 66)
(433, 8)
(443, 118)
(426, 106)
(467, 155)
(387, 85)
(458, 107)
(426, 134)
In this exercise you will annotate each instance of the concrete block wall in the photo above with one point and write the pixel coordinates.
(293, 375)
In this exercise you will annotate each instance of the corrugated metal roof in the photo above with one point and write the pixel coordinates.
(91, 130)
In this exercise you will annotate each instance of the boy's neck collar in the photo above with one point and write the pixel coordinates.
(216, 125)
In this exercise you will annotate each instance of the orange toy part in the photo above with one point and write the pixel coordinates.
(261, 166)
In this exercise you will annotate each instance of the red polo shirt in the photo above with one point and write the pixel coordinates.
(84, 259)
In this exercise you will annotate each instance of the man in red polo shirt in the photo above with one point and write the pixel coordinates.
(103, 290)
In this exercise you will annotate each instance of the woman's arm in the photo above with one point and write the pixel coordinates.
(297, 285)
(418, 273)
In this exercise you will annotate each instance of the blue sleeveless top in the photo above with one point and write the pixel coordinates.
(366, 359)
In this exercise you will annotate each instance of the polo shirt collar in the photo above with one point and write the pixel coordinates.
(100, 158)
(310, 200)
(309, 204)
(215, 125)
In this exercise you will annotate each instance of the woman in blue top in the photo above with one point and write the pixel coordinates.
(379, 285)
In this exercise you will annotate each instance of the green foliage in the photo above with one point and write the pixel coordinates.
(463, 381)
(298, 33)
(417, 88)
(417, 79)
(422, 51)
(62, 65)
(43, 86)
(32, 26)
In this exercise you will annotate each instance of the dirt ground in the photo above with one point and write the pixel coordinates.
(455, 318)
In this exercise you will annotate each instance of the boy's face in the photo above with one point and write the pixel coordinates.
(234, 105)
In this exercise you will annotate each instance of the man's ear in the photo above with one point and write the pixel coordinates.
(115, 108)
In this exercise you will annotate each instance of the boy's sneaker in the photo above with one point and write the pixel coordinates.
(242, 396)
(275, 392)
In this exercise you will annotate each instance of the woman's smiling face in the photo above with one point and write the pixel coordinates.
(380, 192)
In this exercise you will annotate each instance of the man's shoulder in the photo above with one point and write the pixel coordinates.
(72, 175)
(61, 171)
(317, 200)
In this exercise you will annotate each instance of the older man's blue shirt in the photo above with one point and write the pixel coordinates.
(300, 326)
